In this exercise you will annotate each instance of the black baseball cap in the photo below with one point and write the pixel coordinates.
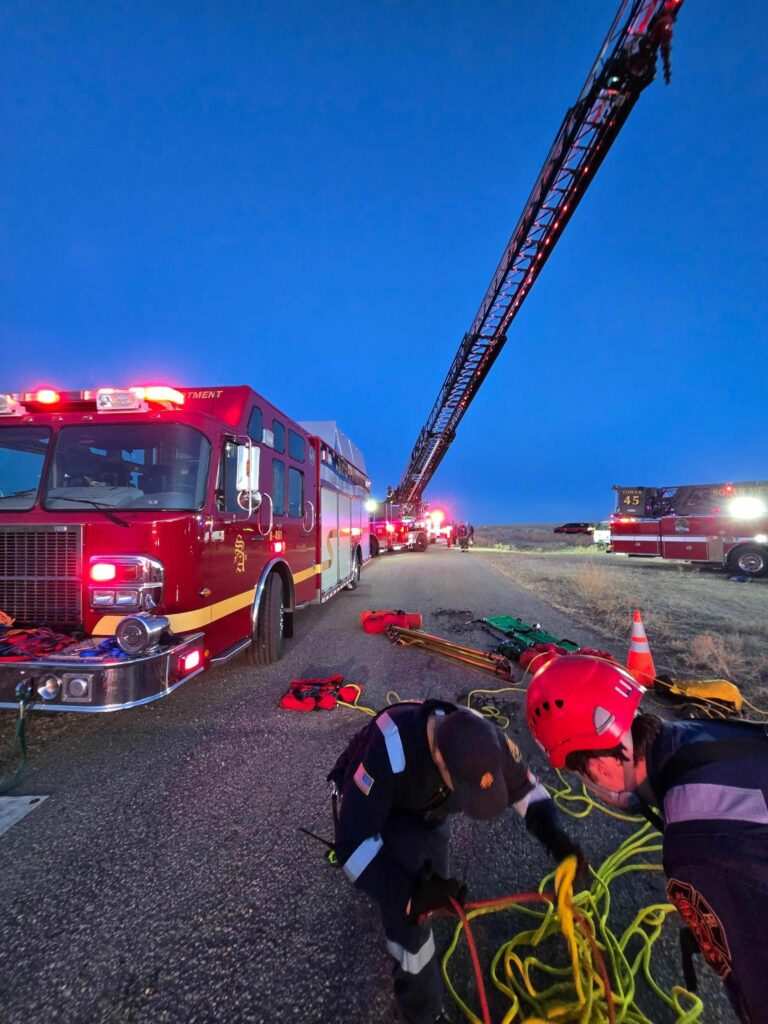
(472, 750)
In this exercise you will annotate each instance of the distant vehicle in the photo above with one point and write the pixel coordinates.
(574, 528)
(601, 535)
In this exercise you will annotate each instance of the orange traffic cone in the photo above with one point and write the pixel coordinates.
(639, 659)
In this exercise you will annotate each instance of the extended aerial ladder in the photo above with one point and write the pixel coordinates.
(625, 65)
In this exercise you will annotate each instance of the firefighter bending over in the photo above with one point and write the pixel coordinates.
(710, 781)
(398, 780)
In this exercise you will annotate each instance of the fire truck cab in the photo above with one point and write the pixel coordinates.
(720, 524)
(161, 530)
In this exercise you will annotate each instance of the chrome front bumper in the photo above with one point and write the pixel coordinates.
(105, 684)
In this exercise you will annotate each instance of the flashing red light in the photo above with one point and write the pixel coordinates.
(103, 572)
(389, 528)
(159, 393)
(45, 396)
(278, 546)
(190, 661)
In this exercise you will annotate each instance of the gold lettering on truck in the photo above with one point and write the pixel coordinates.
(240, 557)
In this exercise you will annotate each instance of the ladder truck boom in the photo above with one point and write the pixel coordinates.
(625, 65)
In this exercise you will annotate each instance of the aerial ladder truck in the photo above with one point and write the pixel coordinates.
(640, 35)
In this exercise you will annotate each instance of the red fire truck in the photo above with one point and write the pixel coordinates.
(398, 534)
(722, 524)
(163, 530)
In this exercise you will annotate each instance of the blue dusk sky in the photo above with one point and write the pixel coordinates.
(311, 199)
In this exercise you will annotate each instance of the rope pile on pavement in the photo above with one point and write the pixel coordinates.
(599, 984)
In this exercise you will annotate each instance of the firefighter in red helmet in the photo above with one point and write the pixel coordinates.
(708, 778)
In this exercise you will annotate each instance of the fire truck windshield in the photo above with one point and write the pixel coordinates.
(22, 456)
(129, 466)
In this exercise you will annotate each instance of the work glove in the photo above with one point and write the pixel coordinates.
(541, 820)
(433, 892)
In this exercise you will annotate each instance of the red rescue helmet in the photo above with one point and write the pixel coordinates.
(580, 703)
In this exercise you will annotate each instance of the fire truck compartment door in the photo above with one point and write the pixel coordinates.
(681, 537)
(345, 537)
(329, 538)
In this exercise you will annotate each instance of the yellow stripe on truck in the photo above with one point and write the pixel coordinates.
(185, 622)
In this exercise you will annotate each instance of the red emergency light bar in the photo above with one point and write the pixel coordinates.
(131, 399)
(43, 396)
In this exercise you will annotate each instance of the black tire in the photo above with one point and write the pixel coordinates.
(374, 546)
(267, 646)
(354, 583)
(421, 542)
(749, 560)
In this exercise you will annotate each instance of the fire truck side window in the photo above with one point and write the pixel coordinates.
(256, 425)
(296, 446)
(278, 487)
(279, 432)
(295, 493)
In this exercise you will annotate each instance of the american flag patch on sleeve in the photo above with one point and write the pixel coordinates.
(363, 780)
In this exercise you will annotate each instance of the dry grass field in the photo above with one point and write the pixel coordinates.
(699, 623)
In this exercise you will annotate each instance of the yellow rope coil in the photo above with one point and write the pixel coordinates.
(539, 992)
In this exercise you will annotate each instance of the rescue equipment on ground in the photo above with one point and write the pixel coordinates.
(496, 664)
(374, 621)
(536, 657)
(600, 982)
(714, 696)
(522, 636)
(639, 659)
(321, 694)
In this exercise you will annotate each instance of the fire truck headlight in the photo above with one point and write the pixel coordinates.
(747, 507)
(761, 538)
(50, 688)
(136, 582)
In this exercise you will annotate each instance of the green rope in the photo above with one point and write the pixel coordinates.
(20, 743)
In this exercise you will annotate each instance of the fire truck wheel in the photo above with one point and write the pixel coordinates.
(749, 560)
(267, 644)
(355, 581)
(374, 546)
(421, 542)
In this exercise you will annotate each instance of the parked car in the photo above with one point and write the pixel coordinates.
(574, 528)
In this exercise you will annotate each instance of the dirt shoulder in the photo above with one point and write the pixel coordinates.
(699, 623)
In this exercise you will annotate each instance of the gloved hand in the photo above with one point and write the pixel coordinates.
(541, 821)
(433, 892)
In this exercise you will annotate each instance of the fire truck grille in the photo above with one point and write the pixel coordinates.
(40, 575)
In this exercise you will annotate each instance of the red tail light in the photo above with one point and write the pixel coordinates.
(190, 661)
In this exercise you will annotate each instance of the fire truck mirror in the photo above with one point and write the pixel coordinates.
(248, 458)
